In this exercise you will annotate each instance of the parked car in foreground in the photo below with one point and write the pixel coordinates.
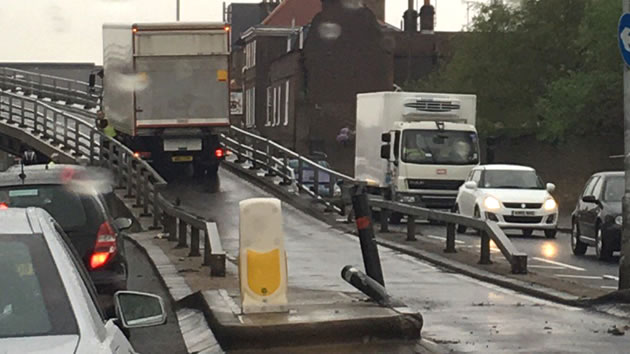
(513, 196)
(48, 303)
(77, 200)
(597, 220)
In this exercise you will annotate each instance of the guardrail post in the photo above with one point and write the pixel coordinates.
(194, 242)
(22, 124)
(157, 188)
(269, 151)
(285, 175)
(485, 248)
(146, 194)
(450, 238)
(300, 174)
(384, 220)
(77, 136)
(170, 226)
(129, 179)
(369, 248)
(411, 228)
(138, 184)
(254, 165)
(182, 235)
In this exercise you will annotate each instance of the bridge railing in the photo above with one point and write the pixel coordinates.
(51, 87)
(309, 176)
(141, 182)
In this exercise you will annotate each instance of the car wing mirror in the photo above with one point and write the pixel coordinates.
(472, 185)
(135, 309)
(551, 187)
(123, 223)
(590, 199)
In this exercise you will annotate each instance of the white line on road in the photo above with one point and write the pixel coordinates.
(610, 277)
(545, 266)
(578, 276)
(559, 264)
(608, 287)
(444, 239)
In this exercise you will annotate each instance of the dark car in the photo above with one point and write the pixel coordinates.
(597, 219)
(79, 204)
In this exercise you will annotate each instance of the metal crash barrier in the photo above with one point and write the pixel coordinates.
(73, 137)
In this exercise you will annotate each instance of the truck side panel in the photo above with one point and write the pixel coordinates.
(119, 80)
(371, 123)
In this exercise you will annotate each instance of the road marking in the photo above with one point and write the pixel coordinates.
(608, 287)
(444, 239)
(545, 267)
(559, 264)
(578, 276)
(610, 277)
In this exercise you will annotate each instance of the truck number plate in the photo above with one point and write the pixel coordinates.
(523, 213)
(182, 158)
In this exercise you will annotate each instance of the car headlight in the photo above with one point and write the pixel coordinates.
(550, 204)
(492, 203)
(619, 220)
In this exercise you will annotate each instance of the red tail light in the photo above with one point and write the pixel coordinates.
(142, 154)
(219, 153)
(4, 206)
(105, 246)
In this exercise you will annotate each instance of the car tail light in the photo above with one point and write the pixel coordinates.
(4, 206)
(219, 153)
(142, 154)
(105, 246)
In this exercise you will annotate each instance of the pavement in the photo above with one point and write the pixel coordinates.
(461, 313)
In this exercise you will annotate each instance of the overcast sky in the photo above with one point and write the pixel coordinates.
(70, 30)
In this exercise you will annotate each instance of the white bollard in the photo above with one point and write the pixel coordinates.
(262, 256)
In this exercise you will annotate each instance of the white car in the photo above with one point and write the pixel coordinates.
(48, 303)
(513, 196)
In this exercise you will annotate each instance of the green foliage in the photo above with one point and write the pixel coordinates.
(544, 67)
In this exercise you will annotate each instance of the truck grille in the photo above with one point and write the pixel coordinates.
(523, 219)
(437, 184)
(520, 205)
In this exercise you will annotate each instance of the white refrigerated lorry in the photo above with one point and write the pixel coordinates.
(415, 147)
(166, 92)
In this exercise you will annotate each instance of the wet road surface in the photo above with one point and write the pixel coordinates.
(462, 313)
(142, 277)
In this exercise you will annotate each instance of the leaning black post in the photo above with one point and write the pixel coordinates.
(363, 219)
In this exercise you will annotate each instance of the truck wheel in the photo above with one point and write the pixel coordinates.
(550, 233)
(211, 177)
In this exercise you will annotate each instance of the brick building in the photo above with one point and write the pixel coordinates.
(307, 64)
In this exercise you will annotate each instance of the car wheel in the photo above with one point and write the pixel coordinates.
(551, 233)
(577, 246)
(528, 232)
(602, 249)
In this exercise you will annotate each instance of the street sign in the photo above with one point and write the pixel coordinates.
(624, 37)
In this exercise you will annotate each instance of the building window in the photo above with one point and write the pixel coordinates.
(250, 111)
(287, 90)
(250, 55)
(269, 107)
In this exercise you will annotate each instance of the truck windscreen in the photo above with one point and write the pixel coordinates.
(446, 147)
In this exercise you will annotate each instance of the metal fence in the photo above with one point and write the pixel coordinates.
(291, 167)
(51, 87)
(82, 140)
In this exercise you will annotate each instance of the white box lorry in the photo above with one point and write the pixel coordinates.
(166, 92)
(429, 145)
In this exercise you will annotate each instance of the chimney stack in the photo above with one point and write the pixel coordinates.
(427, 17)
(411, 18)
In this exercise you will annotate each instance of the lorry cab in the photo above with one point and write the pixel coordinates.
(429, 144)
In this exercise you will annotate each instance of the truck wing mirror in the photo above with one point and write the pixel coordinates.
(386, 138)
(385, 151)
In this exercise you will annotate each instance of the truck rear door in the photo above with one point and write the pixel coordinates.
(184, 80)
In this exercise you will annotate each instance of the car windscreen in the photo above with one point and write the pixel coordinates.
(614, 189)
(62, 203)
(444, 147)
(33, 300)
(509, 179)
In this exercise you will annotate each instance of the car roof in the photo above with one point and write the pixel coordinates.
(610, 174)
(19, 221)
(39, 174)
(503, 167)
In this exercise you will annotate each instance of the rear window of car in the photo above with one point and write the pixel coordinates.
(33, 300)
(65, 205)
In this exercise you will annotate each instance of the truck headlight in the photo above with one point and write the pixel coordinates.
(619, 220)
(550, 204)
(492, 203)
